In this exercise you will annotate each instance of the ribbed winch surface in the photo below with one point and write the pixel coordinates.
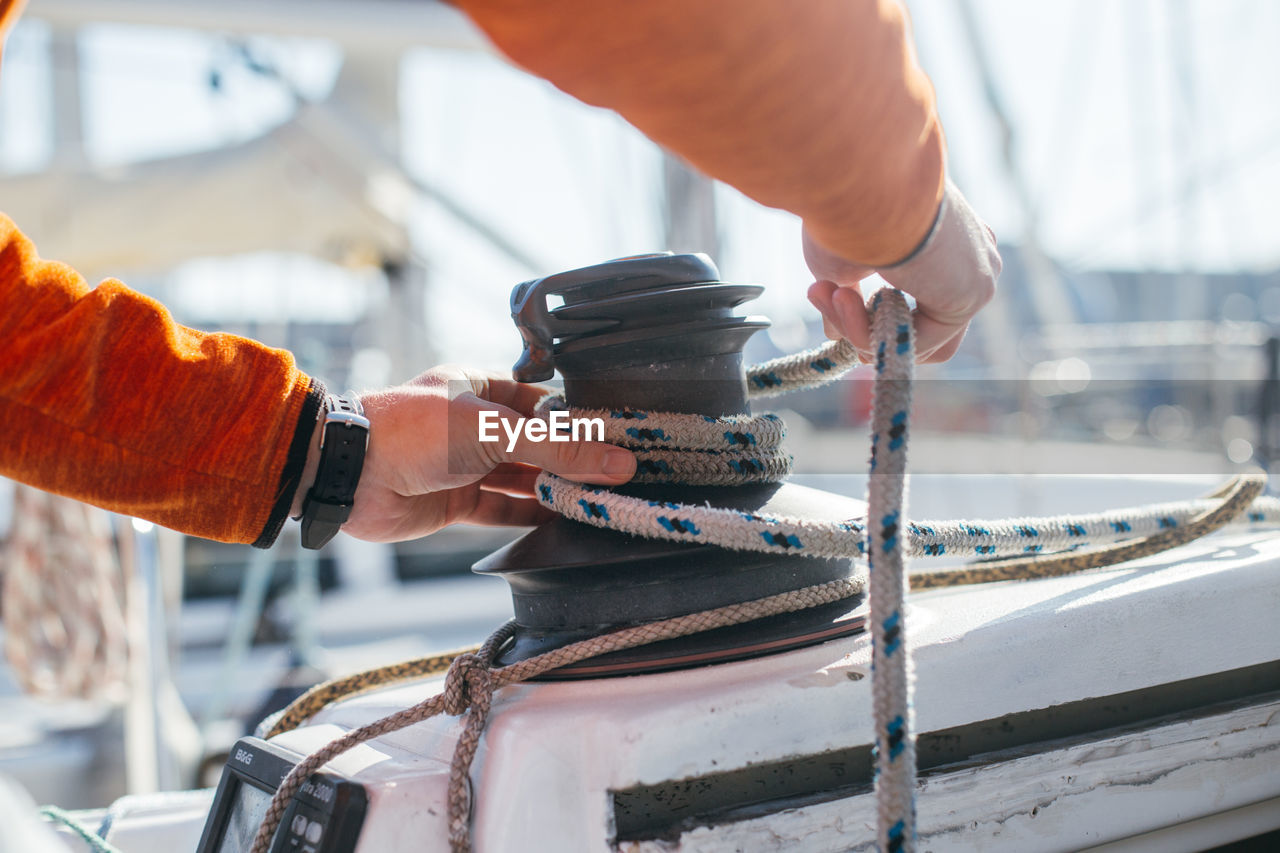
(657, 333)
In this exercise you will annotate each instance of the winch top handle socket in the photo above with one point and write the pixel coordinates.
(540, 325)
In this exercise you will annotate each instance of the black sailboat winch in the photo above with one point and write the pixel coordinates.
(655, 332)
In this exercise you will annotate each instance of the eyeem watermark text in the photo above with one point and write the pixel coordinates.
(558, 426)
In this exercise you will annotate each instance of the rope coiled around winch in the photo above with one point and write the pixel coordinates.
(889, 540)
(671, 447)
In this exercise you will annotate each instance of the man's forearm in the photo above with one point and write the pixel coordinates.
(818, 107)
(112, 402)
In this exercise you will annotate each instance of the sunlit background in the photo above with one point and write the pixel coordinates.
(369, 198)
(364, 183)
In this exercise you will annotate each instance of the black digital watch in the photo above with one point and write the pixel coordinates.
(343, 442)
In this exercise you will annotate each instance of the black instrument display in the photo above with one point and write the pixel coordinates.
(324, 816)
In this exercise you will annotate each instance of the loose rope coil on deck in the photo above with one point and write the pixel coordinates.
(698, 450)
(63, 600)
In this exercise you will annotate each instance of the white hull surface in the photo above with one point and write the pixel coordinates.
(1054, 715)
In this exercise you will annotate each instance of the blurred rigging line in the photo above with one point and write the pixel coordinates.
(1045, 286)
(997, 109)
(1077, 80)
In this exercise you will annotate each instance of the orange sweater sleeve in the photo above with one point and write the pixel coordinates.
(9, 12)
(817, 107)
(107, 400)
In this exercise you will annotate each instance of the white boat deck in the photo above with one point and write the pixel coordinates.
(1054, 714)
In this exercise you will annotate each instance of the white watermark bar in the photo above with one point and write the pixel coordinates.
(556, 426)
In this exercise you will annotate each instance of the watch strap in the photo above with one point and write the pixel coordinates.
(343, 441)
(304, 436)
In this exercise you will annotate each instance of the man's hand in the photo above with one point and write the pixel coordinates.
(951, 279)
(426, 467)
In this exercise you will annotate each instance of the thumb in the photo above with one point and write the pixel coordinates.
(504, 435)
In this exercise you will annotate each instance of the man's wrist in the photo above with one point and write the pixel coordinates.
(929, 237)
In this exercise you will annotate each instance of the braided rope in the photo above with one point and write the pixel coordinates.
(96, 843)
(1236, 495)
(745, 531)
(808, 369)
(63, 600)
(895, 749)
(1235, 498)
(698, 450)
(458, 686)
(673, 447)
(326, 693)
(694, 449)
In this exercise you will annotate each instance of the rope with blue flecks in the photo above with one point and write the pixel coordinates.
(670, 447)
(1236, 503)
(743, 531)
(698, 450)
(472, 676)
(895, 748)
(745, 449)
(694, 449)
